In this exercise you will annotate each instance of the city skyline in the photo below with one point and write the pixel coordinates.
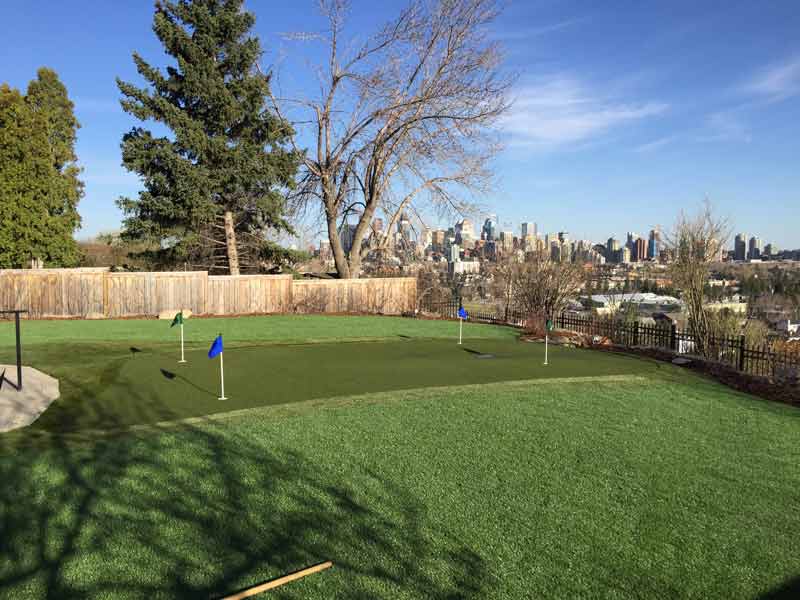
(627, 133)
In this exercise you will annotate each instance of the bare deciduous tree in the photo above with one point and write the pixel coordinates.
(405, 118)
(543, 287)
(696, 242)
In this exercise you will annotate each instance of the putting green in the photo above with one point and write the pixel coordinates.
(149, 385)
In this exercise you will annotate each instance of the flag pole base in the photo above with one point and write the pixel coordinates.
(181, 361)
(223, 398)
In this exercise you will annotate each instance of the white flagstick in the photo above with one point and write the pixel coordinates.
(460, 327)
(183, 359)
(545, 349)
(222, 376)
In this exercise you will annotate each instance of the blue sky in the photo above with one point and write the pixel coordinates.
(624, 113)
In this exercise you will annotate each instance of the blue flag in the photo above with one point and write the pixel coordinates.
(462, 313)
(216, 347)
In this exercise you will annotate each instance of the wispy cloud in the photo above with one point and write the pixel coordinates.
(776, 82)
(725, 126)
(529, 33)
(561, 110)
(656, 145)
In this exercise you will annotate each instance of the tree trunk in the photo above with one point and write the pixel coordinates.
(230, 243)
(339, 258)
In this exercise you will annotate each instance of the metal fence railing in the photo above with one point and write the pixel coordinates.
(767, 360)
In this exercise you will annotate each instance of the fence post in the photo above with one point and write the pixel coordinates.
(636, 333)
(673, 338)
(741, 352)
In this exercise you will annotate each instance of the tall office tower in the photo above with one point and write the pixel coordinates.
(404, 227)
(528, 229)
(507, 241)
(625, 255)
(740, 247)
(770, 249)
(639, 250)
(437, 241)
(324, 249)
(377, 225)
(425, 239)
(346, 235)
(465, 232)
(555, 251)
(612, 250)
(754, 250)
(489, 231)
(654, 244)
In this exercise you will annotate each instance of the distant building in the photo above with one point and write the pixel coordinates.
(555, 251)
(528, 230)
(507, 241)
(454, 254)
(404, 228)
(612, 250)
(325, 249)
(740, 247)
(489, 231)
(465, 232)
(346, 235)
(464, 267)
(639, 250)
(754, 248)
(654, 244)
(437, 240)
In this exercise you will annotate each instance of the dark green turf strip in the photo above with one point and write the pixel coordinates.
(147, 386)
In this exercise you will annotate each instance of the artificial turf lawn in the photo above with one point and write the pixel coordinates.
(657, 485)
(107, 383)
(665, 489)
(132, 388)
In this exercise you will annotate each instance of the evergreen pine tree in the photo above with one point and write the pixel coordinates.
(33, 200)
(219, 177)
(48, 98)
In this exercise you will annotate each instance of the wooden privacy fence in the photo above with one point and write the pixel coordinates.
(99, 293)
(392, 296)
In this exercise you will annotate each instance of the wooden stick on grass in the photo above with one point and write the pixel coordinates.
(271, 585)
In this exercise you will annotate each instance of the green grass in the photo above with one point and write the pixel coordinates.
(658, 485)
(107, 386)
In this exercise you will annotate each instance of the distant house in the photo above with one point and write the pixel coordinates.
(786, 326)
(643, 302)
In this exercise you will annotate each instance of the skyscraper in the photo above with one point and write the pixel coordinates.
(639, 250)
(740, 247)
(528, 229)
(654, 244)
(489, 231)
(465, 232)
(754, 251)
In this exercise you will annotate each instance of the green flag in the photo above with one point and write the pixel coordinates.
(178, 320)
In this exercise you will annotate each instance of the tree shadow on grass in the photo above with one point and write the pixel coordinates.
(203, 511)
(788, 589)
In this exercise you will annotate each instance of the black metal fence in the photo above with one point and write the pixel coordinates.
(767, 360)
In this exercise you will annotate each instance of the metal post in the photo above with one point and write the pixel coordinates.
(545, 349)
(19, 353)
(741, 352)
(673, 338)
